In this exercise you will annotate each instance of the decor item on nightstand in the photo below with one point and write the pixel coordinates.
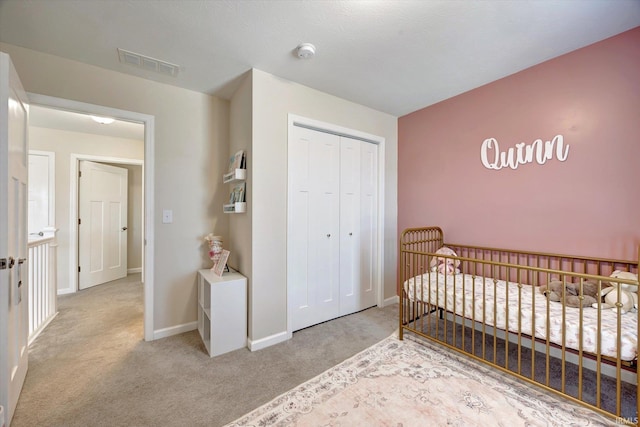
(215, 247)
(221, 264)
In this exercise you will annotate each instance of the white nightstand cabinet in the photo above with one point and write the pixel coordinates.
(222, 311)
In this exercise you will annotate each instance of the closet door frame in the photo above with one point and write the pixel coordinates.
(295, 120)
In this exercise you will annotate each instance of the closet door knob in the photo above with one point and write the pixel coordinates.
(350, 234)
(328, 235)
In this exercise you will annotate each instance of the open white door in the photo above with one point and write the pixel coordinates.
(102, 225)
(14, 321)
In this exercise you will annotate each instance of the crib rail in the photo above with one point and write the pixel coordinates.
(42, 284)
(605, 383)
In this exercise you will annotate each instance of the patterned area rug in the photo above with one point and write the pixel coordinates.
(416, 383)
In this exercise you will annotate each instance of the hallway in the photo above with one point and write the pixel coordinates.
(91, 367)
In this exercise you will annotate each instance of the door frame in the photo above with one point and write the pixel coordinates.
(74, 209)
(295, 120)
(147, 182)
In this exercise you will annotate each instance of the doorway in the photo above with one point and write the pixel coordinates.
(103, 223)
(147, 185)
(77, 249)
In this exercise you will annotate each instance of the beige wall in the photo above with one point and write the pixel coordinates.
(192, 144)
(190, 153)
(273, 99)
(240, 233)
(64, 143)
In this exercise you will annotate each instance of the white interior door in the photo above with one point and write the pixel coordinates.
(14, 322)
(314, 247)
(102, 228)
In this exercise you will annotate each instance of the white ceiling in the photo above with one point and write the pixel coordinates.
(76, 122)
(392, 55)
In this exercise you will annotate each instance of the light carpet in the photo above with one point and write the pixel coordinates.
(415, 383)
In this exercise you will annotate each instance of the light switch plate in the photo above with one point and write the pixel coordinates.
(167, 216)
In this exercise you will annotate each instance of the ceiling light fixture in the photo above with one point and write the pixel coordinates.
(305, 50)
(103, 120)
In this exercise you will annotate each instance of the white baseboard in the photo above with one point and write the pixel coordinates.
(393, 300)
(174, 330)
(65, 291)
(268, 341)
(134, 270)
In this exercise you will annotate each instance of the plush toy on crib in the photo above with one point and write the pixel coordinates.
(628, 293)
(572, 297)
(445, 265)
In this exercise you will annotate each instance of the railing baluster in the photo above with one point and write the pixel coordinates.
(41, 287)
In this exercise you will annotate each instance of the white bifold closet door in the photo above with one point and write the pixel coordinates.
(332, 226)
(358, 224)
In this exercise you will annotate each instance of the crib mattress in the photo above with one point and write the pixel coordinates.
(480, 294)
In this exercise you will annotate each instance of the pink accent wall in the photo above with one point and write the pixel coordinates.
(586, 205)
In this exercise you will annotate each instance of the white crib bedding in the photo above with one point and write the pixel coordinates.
(462, 285)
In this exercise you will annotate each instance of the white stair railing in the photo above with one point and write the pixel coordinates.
(42, 282)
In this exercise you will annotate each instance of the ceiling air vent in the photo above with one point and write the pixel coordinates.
(148, 63)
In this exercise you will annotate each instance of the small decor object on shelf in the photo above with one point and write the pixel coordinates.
(237, 193)
(220, 266)
(237, 161)
(236, 176)
(215, 247)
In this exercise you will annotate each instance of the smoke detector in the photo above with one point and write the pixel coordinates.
(305, 50)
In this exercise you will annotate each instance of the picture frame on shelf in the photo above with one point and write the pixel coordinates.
(220, 266)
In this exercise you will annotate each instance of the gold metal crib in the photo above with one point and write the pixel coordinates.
(493, 312)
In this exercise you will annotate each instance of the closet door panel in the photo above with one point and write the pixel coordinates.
(368, 224)
(324, 261)
(301, 301)
(349, 225)
(314, 227)
(300, 205)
